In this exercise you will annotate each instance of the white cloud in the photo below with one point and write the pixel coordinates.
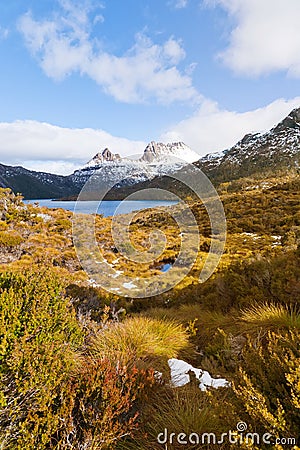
(146, 70)
(179, 4)
(41, 146)
(212, 129)
(58, 167)
(265, 37)
(4, 32)
(63, 45)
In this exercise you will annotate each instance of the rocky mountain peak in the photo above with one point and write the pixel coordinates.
(150, 152)
(158, 159)
(107, 155)
(277, 149)
(291, 121)
(160, 152)
(101, 157)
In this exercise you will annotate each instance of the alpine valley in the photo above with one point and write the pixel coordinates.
(87, 364)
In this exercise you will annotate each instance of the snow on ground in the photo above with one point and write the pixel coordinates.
(129, 285)
(253, 235)
(180, 377)
(45, 217)
(117, 273)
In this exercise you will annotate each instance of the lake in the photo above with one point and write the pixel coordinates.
(106, 208)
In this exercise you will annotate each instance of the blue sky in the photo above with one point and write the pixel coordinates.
(78, 76)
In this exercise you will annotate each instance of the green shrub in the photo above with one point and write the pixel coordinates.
(38, 342)
(53, 395)
(10, 239)
(268, 384)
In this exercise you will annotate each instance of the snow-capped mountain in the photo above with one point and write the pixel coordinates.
(257, 154)
(100, 158)
(158, 159)
(275, 150)
(159, 153)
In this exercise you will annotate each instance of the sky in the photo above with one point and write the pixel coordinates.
(78, 76)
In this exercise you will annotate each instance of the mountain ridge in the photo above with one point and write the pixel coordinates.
(107, 170)
(256, 154)
(158, 159)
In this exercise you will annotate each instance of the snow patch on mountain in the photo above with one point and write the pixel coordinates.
(159, 153)
(158, 159)
(282, 141)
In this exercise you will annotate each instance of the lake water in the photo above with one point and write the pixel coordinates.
(106, 208)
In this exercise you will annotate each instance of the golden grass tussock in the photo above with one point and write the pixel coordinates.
(141, 337)
(271, 316)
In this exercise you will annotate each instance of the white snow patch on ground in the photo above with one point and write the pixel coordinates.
(93, 283)
(252, 235)
(276, 238)
(117, 273)
(45, 217)
(180, 377)
(129, 285)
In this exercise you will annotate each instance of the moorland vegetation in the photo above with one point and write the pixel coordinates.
(79, 365)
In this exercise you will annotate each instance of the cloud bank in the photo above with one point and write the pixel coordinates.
(50, 148)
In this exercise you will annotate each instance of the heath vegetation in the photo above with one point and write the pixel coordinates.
(85, 369)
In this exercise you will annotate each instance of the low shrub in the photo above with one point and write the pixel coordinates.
(54, 395)
(268, 384)
(10, 239)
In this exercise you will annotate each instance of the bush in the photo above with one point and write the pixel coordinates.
(268, 384)
(54, 396)
(101, 405)
(10, 239)
(38, 342)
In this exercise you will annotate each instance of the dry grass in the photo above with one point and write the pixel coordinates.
(140, 337)
(271, 316)
(181, 410)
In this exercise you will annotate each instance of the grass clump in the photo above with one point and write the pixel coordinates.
(182, 410)
(141, 337)
(271, 316)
